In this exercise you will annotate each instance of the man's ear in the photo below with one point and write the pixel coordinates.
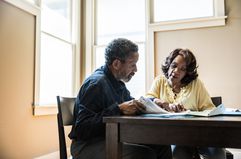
(116, 64)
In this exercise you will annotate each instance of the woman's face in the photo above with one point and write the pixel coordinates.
(177, 70)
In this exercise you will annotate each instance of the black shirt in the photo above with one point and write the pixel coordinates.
(99, 96)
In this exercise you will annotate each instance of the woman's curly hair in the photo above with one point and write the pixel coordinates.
(191, 68)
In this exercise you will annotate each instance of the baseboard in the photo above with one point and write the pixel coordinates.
(52, 155)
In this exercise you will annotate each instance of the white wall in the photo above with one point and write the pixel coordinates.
(218, 53)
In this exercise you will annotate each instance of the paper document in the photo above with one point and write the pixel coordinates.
(153, 108)
(219, 110)
(210, 112)
(232, 112)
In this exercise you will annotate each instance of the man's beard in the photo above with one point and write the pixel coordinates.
(128, 78)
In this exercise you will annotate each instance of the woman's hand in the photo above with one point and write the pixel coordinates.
(162, 104)
(177, 107)
(169, 107)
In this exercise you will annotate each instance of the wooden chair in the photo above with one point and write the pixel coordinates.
(65, 118)
(217, 101)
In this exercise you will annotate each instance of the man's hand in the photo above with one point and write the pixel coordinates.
(169, 107)
(132, 107)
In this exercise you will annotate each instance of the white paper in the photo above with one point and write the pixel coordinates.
(210, 112)
(152, 107)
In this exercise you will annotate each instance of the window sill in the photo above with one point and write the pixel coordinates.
(45, 110)
(188, 24)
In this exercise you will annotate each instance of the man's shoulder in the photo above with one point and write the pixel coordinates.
(96, 78)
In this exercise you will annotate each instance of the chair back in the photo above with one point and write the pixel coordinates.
(216, 100)
(65, 118)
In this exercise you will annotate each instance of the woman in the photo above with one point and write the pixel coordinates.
(180, 89)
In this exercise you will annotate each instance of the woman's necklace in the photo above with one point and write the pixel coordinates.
(175, 93)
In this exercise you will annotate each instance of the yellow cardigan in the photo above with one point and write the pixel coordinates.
(194, 96)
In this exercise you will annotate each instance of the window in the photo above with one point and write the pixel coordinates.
(56, 50)
(32, 1)
(185, 14)
(184, 9)
(167, 15)
(56, 65)
(56, 56)
(125, 21)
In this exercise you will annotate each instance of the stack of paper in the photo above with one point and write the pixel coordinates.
(153, 109)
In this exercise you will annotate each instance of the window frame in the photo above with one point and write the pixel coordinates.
(91, 42)
(52, 109)
(217, 20)
(35, 10)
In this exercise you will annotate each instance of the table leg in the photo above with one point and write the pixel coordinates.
(113, 146)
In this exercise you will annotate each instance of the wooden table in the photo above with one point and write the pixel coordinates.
(220, 131)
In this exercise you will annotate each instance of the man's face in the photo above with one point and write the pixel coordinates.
(128, 68)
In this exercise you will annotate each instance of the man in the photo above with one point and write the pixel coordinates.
(105, 94)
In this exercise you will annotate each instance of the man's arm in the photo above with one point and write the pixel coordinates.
(89, 124)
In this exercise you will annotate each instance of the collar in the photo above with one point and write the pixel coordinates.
(116, 83)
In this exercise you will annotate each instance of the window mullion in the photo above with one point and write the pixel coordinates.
(56, 37)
